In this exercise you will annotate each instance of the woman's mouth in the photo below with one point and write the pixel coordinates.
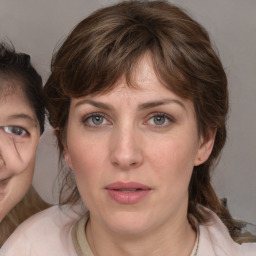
(128, 192)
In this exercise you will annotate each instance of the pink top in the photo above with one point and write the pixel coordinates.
(49, 233)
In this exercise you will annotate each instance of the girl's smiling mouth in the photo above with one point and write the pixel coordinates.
(3, 184)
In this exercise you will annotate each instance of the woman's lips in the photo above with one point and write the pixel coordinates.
(128, 192)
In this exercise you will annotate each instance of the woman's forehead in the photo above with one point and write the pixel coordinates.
(142, 70)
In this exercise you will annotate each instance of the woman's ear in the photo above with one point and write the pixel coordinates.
(61, 134)
(205, 146)
(67, 157)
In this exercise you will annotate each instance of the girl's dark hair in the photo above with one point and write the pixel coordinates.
(109, 43)
(17, 66)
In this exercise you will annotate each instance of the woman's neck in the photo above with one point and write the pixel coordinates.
(172, 239)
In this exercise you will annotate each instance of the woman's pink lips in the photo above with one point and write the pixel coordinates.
(127, 193)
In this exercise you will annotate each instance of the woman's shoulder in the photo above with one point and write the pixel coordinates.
(214, 238)
(55, 217)
(51, 226)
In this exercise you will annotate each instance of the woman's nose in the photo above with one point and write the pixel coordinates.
(126, 149)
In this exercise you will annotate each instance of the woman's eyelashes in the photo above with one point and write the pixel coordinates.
(15, 130)
(96, 120)
(158, 120)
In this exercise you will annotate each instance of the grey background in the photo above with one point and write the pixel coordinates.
(37, 26)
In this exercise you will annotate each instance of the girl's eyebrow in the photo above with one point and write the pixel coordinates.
(22, 116)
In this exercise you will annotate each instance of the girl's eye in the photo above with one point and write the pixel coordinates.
(95, 119)
(15, 130)
(160, 119)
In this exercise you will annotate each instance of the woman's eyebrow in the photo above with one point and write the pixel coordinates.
(95, 104)
(157, 103)
(22, 116)
(142, 106)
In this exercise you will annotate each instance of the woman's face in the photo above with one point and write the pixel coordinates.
(132, 152)
(19, 137)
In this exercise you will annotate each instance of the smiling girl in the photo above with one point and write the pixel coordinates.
(21, 123)
(138, 100)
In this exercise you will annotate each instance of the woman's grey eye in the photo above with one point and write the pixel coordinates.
(159, 120)
(97, 120)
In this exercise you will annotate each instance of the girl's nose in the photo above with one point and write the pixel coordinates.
(10, 158)
(1, 161)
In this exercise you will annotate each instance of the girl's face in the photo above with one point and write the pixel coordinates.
(132, 152)
(19, 137)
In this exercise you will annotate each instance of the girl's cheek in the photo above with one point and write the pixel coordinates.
(15, 156)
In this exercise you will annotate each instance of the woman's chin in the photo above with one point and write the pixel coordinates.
(128, 224)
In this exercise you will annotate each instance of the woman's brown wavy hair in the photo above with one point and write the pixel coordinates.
(108, 45)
